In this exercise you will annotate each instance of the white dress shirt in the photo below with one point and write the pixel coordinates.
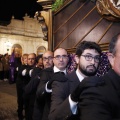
(73, 105)
(55, 69)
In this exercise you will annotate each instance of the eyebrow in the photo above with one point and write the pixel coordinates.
(90, 54)
(31, 58)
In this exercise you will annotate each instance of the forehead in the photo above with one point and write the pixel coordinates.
(47, 54)
(31, 56)
(40, 59)
(90, 51)
(25, 57)
(60, 51)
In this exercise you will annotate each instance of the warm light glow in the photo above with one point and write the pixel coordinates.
(8, 44)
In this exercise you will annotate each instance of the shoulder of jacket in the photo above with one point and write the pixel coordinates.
(71, 74)
(48, 70)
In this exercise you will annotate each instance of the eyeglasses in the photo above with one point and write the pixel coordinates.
(58, 57)
(47, 58)
(90, 57)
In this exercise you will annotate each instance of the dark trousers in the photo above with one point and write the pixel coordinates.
(20, 101)
(6, 74)
(29, 106)
(1, 75)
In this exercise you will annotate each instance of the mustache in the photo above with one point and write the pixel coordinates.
(92, 66)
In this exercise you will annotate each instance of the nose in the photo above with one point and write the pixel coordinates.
(93, 61)
(47, 60)
(61, 58)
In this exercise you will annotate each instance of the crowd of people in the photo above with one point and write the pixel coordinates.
(47, 91)
(4, 67)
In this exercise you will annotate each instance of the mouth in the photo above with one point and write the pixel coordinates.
(91, 68)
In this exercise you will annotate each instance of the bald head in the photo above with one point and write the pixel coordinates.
(58, 50)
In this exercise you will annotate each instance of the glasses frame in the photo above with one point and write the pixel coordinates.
(58, 57)
(47, 58)
(90, 58)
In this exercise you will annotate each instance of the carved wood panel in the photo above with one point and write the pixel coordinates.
(81, 21)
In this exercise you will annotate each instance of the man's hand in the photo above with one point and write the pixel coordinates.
(86, 83)
(58, 76)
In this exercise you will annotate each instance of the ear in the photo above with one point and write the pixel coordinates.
(111, 58)
(77, 59)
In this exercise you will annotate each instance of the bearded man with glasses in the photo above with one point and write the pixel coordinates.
(103, 102)
(65, 95)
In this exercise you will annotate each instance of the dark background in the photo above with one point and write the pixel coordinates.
(18, 9)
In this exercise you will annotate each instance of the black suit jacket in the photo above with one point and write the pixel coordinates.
(43, 98)
(21, 80)
(60, 107)
(102, 102)
(30, 89)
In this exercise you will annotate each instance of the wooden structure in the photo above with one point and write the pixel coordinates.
(76, 21)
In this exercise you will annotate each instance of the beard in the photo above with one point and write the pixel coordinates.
(87, 71)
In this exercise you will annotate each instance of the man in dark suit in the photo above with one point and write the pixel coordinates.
(27, 74)
(44, 90)
(23, 77)
(103, 102)
(64, 99)
(31, 87)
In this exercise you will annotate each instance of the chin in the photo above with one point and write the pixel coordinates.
(92, 73)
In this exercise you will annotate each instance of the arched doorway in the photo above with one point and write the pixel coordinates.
(41, 50)
(18, 49)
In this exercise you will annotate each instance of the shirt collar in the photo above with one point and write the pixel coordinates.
(55, 69)
(80, 77)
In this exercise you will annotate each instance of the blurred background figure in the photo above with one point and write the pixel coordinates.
(39, 61)
(1, 68)
(18, 63)
(6, 66)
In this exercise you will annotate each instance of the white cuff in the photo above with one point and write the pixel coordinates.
(24, 72)
(73, 105)
(16, 68)
(47, 90)
(30, 72)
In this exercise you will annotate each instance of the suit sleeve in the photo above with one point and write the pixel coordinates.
(60, 108)
(94, 105)
(38, 110)
(41, 92)
(31, 87)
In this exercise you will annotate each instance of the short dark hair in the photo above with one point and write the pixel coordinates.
(38, 57)
(112, 44)
(87, 45)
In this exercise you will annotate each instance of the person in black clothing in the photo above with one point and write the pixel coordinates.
(27, 75)
(39, 61)
(31, 87)
(38, 67)
(38, 106)
(20, 85)
(65, 95)
(17, 64)
(24, 75)
(103, 102)
(1, 68)
(43, 94)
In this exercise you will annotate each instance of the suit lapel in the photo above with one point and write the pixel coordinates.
(73, 81)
